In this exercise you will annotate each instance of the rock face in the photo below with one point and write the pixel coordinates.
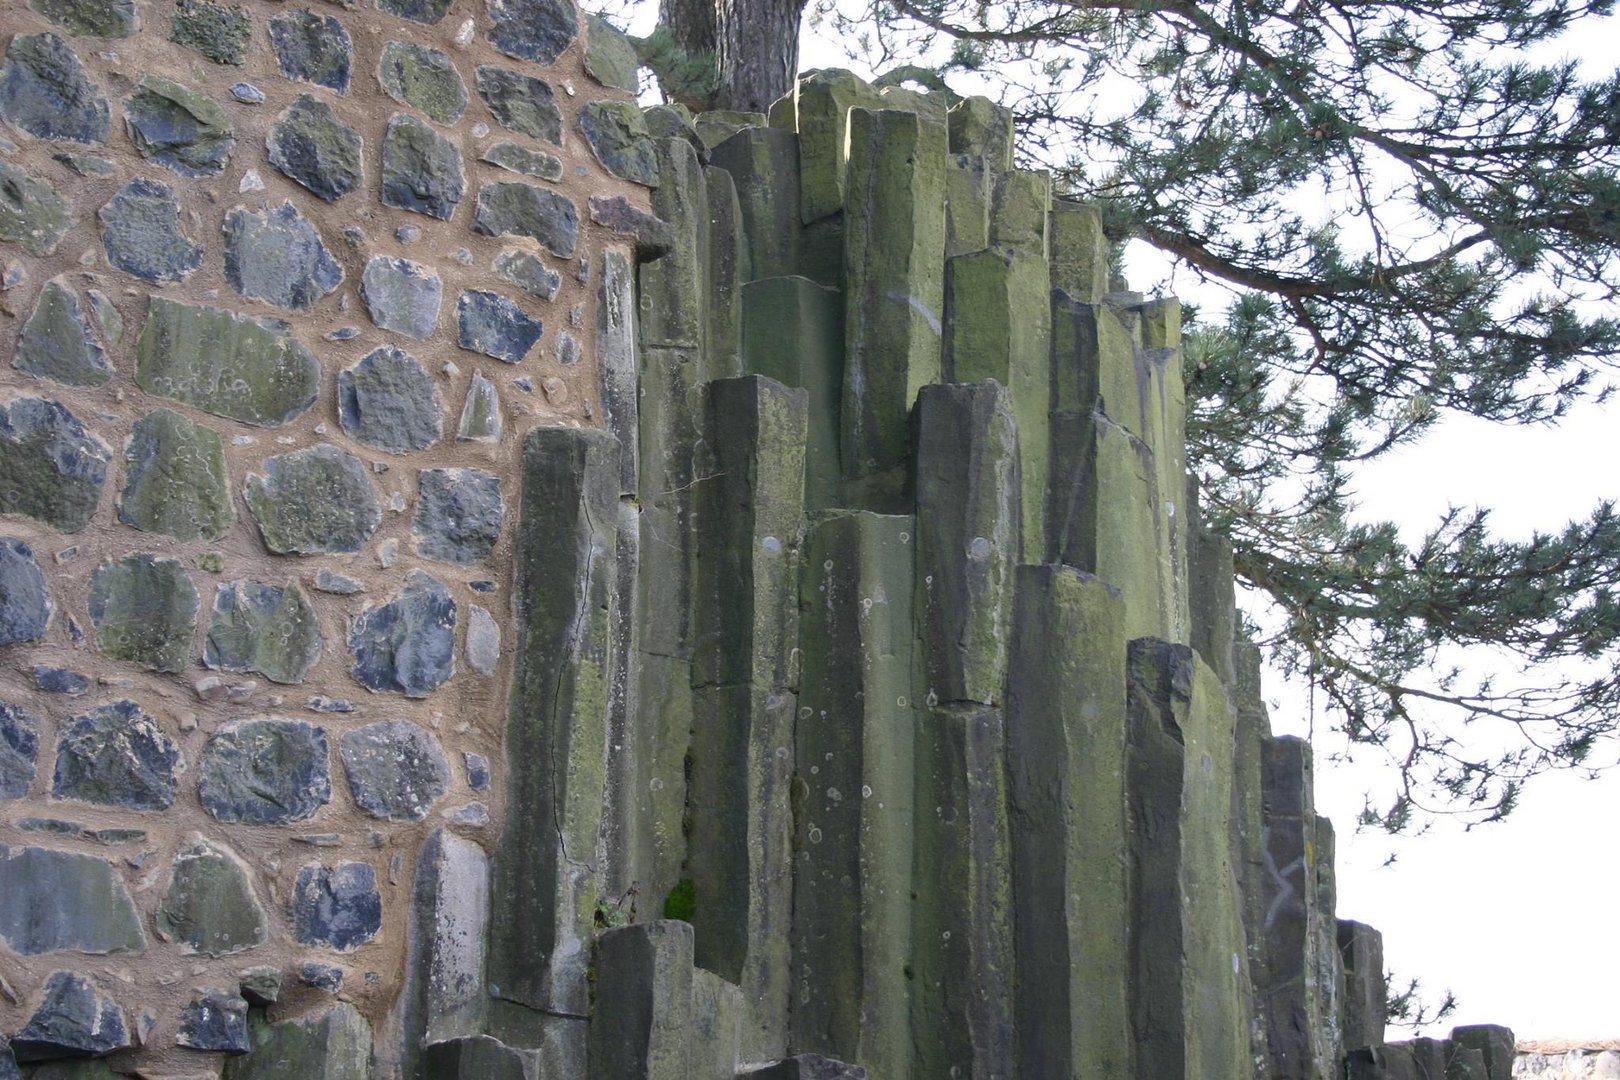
(314, 148)
(525, 210)
(229, 365)
(265, 772)
(24, 606)
(388, 400)
(521, 103)
(19, 751)
(425, 79)
(495, 326)
(401, 296)
(52, 468)
(337, 907)
(56, 341)
(116, 755)
(458, 514)
(209, 906)
(45, 91)
(270, 629)
(313, 501)
(537, 30)
(144, 608)
(183, 131)
(395, 770)
(140, 230)
(74, 1020)
(93, 18)
(408, 644)
(31, 214)
(175, 480)
(51, 901)
(617, 134)
(421, 170)
(312, 48)
(277, 256)
(217, 31)
(215, 1021)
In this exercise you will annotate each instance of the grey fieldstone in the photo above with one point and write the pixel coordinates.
(218, 31)
(312, 501)
(520, 159)
(423, 78)
(112, 323)
(528, 273)
(338, 907)
(313, 147)
(175, 481)
(521, 103)
(116, 755)
(8, 1061)
(51, 469)
(261, 985)
(32, 214)
(277, 256)
(74, 1020)
(483, 641)
(508, 207)
(618, 136)
(24, 606)
(491, 324)
(477, 771)
(312, 48)
(407, 645)
(55, 680)
(58, 900)
(144, 608)
(92, 18)
(184, 131)
(140, 230)
(537, 30)
(19, 751)
(328, 581)
(388, 400)
(458, 514)
(395, 769)
(56, 342)
(401, 296)
(247, 93)
(269, 771)
(610, 58)
(216, 1020)
(321, 977)
(210, 906)
(235, 366)
(421, 169)
(44, 91)
(481, 419)
(426, 12)
(87, 164)
(270, 629)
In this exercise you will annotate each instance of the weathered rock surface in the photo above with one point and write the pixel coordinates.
(277, 256)
(427, 12)
(617, 134)
(231, 365)
(312, 146)
(528, 273)
(312, 501)
(483, 649)
(423, 78)
(312, 48)
(45, 91)
(521, 159)
(217, 31)
(74, 1020)
(144, 608)
(92, 18)
(331, 1045)
(216, 1020)
(32, 214)
(19, 751)
(495, 326)
(395, 769)
(116, 755)
(271, 629)
(421, 169)
(51, 468)
(24, 606)
(52, 901)
(526, 210)
(537, 30)
(56, 342)
(55, 680)
(407, 645)
(140, 231)
(265, 772)
(175, 480)
(401, 296)
(338, 907)
(389, 401)
(210, 906)
(481, 419)
(180, 129)
(610, 58)
(521, 103)
(458, 514)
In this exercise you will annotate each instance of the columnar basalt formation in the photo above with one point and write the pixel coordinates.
(502, 583)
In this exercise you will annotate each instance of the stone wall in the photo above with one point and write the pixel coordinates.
(502, 584)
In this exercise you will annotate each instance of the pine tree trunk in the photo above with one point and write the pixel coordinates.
(754, 42)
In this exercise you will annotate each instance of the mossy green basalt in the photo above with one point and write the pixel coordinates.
(423, 78)
(175, 479)
(144, 608)
(231, 365)
(56, 342)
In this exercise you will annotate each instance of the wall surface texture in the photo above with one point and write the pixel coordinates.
(498, 583)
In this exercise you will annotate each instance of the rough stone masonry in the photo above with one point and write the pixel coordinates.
(496, 582)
